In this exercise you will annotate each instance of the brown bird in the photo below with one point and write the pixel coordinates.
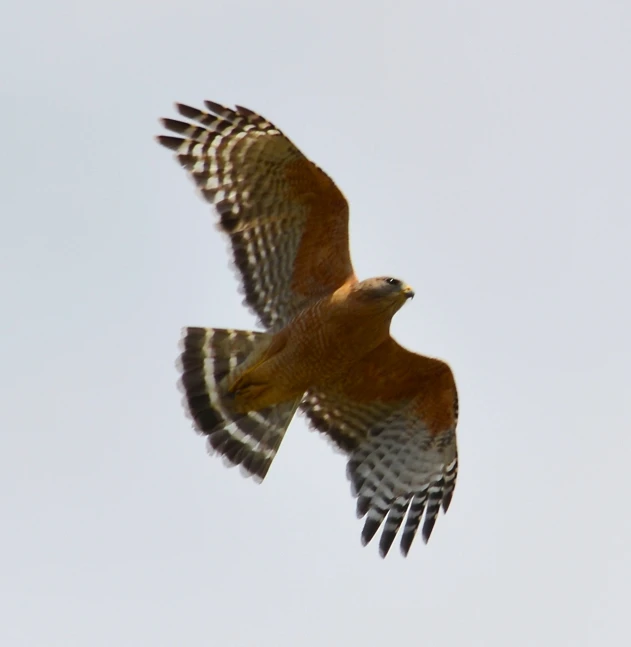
(326, 348)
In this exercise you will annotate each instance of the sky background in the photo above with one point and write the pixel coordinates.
(485, 150)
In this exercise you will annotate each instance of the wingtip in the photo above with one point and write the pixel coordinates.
(173, 143)
(384, 550)
(406, 543)
(188, 111)
(215, 107)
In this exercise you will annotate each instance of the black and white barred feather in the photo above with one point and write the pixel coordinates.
(396, 474)
(397, 469)
(238, 161)
(210, 358)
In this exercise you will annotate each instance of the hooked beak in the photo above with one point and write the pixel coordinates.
(408, 292)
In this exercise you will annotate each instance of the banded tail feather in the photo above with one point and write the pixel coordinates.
(210, 358)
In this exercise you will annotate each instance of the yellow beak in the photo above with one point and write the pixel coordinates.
(408, 292)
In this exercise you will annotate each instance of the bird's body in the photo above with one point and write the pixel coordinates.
(321, 346)
(326, 347)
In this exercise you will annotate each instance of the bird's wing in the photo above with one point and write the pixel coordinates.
(395, 415)
(286, 219)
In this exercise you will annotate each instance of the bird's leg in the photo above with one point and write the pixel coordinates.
(249, 398)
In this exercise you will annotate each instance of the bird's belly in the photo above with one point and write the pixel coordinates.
(326, 353)
(312, 351)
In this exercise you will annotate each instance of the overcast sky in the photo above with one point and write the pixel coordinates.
(485, 150)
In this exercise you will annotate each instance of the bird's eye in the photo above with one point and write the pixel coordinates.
(392, 281)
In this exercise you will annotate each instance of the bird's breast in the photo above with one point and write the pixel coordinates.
(326, 340)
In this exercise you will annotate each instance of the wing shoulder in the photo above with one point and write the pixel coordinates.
(396, 376)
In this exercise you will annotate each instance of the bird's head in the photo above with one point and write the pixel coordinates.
(383, 293)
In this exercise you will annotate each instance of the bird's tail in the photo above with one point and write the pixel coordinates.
(210, 359)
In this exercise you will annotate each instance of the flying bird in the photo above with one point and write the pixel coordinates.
(326, 347)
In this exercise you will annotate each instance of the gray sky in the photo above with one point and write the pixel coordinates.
(485, 150)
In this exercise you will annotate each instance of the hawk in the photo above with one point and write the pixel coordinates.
(326, 347)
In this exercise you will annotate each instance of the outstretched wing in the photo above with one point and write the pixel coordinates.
(286, 219)
(395, 415)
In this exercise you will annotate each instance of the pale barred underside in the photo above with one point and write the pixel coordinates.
(396, 467)
(238, 161)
